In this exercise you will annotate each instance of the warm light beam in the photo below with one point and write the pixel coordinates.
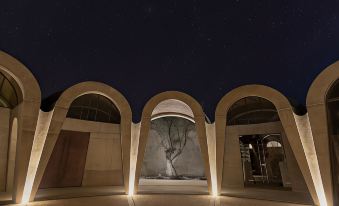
(305, 132)
(135, 132)
(43, 123)
(211, 145)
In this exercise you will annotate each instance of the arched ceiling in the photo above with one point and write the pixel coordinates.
(172, 107)
(252, 110)
(10, 94)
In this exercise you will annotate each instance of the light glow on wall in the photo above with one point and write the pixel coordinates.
(305, 132)
(12, 154)
(135, 132)
(40, 135)
(211, 144)
(172, 115)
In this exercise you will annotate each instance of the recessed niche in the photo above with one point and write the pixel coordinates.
(173, 156)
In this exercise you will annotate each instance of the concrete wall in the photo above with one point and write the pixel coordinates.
(4, 141)
(103, 162)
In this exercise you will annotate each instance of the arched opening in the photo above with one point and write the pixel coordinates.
(262, 165)
(8, 92)
(94, 107)
(87, 156)
(173, 160)
(257, 154)
(332, 100)
(10, 98)
(273, 144)
(19, 98)
(263, 160)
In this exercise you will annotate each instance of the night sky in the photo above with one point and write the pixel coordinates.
(203, 48)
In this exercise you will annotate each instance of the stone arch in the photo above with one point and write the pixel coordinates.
(26, 112)
(318, 117)
(23, 77)
(58, 116)
(199, 118)
(286, 115)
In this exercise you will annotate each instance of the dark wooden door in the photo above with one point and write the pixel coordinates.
(67, 162)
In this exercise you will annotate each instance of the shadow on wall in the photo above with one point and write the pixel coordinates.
(173, 151)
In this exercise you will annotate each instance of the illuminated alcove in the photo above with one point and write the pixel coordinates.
(332, 100)
(87, 157)
(172, 161)
(258, 159)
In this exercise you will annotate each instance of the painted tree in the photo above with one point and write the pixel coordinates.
(174, 133)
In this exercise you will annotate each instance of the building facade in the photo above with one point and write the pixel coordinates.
(80, 146)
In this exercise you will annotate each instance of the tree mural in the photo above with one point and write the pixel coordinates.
(173, 151)
(174, 137)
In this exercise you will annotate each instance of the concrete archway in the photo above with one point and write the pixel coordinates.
(26, 112)
(317, 112)
(287, 118)
(57, 116)
(199, 118)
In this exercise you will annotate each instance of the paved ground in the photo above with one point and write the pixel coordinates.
(160, 200)
(275, 195)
